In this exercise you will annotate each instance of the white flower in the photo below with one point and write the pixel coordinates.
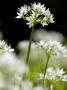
(38, 8)
(36, 13)
(57, 73)
(30, 20)
(42, 34)
(53, 48)
(48, 18)
(53, 74)
(12, 71)
(41, 43)
(50, 74)
(22, 11)
(64, 77)
(4, 48)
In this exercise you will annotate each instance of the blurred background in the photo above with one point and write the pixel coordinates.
(13, 30)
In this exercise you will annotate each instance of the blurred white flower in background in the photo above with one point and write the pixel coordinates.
(15, 74)
(4, 48)
(24, 45)
(42, 34)
(53, 48)
(54, 74)
(36, 13)
(12, 70)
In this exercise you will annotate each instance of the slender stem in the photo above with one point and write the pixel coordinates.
(46, 66)
(29, 47)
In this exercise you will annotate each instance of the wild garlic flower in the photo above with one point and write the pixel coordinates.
(4, 48)
(12, 72)
(53, 48)
(54, 74)
(36, 13)
(57, 73)
(23, 11)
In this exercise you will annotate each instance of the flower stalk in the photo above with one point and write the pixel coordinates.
(29, 47)
(46, 66)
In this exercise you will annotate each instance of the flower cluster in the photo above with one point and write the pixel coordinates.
(4, 48)
(23, 11)
(54, 74)
(11, 72)
(36, 13)
(53, 48)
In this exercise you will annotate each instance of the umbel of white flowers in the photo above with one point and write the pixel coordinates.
(36, 13)
(53, 48)
(4, 48)
(54, 74)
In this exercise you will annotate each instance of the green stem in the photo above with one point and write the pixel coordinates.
(29, 47)
(46, 66)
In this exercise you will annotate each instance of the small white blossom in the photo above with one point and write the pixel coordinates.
(38, 8)
(22, 11)
(64, 78)
(60, 72)
(53, 48)
(4, 48)
(36, 13)
(50, 74)
(53, 74)
(41, 43)
(30, 20)
(57, 73)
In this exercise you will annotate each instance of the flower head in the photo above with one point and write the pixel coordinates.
(12, 72)
(53, 48)
(36, 13)
(22, 11)
(4, 48)
(57, 73)
(54, 74)
(38, 8)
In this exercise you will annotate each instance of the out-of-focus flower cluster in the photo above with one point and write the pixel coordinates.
(53, 48)
(36, 13)
(54, 74)
(4, 48)
(12, 71)
(12, 74)
(42, 34)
